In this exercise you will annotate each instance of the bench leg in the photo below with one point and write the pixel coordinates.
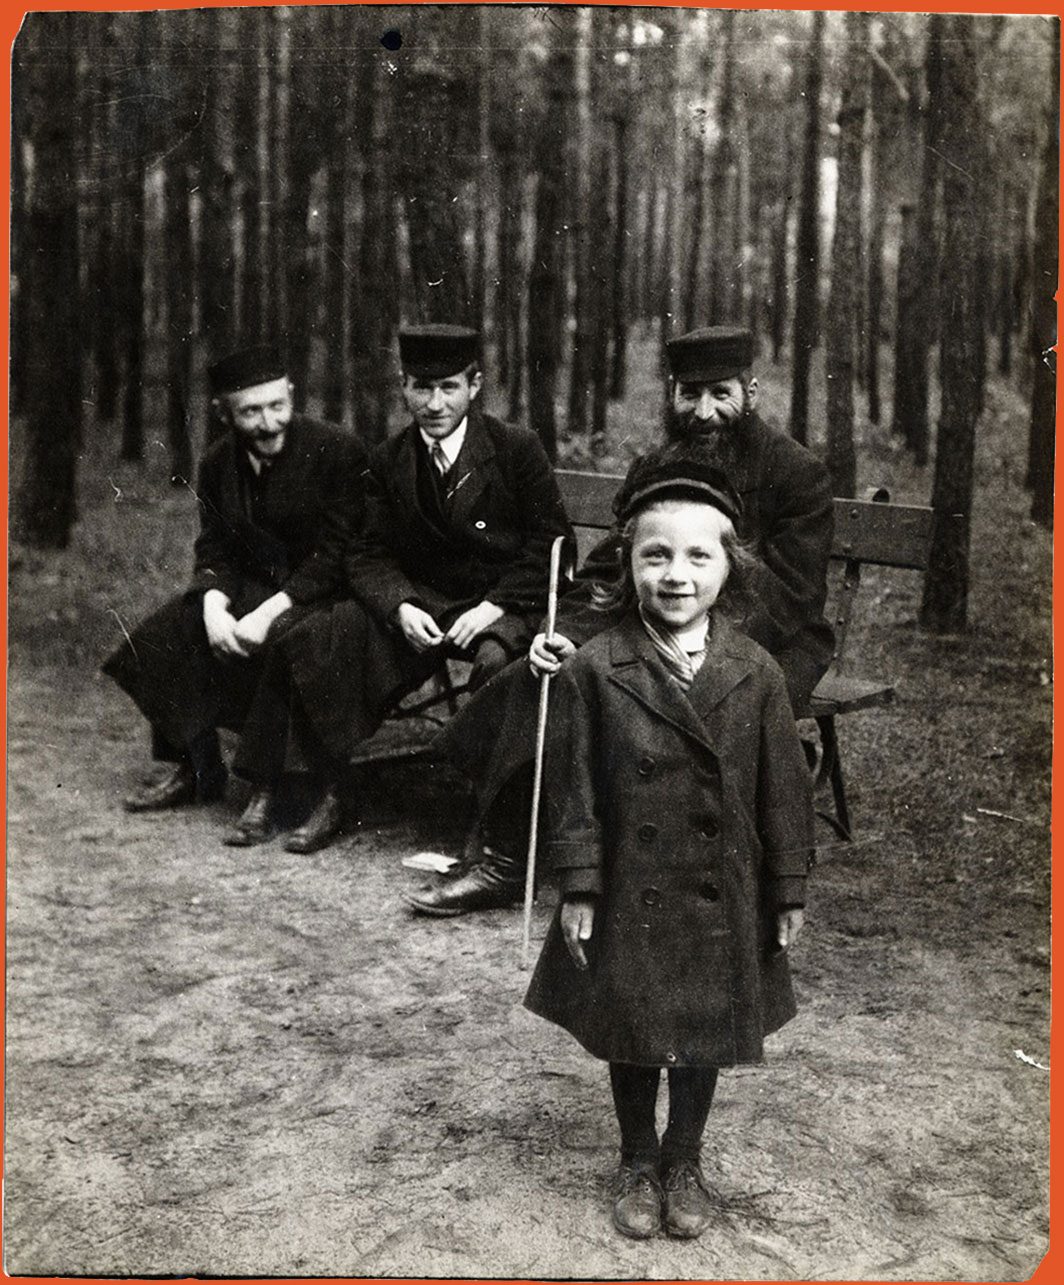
(831, 767)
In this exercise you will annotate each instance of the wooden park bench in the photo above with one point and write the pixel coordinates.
(868, 532)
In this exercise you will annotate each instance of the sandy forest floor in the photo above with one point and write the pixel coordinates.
(235, 1062)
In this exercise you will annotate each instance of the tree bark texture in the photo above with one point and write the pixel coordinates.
(807, 251)
(1044, 310)
(918, 310)
(45, 59)
(847, 279)
(945, 599)
(545, 292)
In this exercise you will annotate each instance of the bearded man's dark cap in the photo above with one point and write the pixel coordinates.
(682, 474)
(438, 351)
(712, 352)
(257, 364)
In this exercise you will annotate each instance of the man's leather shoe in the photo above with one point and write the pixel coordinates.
(687, 1204)
(488, 882)
(637, 1201)
(254, 825)
(320, 828)
(178, 786)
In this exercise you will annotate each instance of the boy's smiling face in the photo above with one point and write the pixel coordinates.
(679, 562)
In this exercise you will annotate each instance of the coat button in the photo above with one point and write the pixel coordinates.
(710, 891)
(647, 831)
(646, 766)
(670, 1057)
(651, 896)
(708, 827)
(480, 525)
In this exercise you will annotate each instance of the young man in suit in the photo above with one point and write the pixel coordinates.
(279, 495)
(453, 561)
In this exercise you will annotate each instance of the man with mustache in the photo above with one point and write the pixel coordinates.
(786, 519)
(279, 496)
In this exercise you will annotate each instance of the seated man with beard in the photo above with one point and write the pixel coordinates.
(787, 522)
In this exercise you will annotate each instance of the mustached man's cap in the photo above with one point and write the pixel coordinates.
(713, 352)
(676, 474)
(438, 351)
(260, 364)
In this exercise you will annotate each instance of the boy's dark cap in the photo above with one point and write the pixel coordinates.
(437, 351)
(712, 352)
(675, 474)
(259, 364)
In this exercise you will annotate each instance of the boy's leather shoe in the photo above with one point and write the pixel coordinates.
(687, 1204)
(254, 825)
(320, 828)
(177, 787)
(637, 1201)
(488, 882)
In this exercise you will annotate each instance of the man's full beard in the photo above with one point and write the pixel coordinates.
(720, 446)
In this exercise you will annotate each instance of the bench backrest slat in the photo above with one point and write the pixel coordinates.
(887, 535)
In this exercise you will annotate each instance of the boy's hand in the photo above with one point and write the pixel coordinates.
(788, 926)
(578, 920)
(546, 657)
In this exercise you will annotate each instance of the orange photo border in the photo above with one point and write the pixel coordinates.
(11, 15)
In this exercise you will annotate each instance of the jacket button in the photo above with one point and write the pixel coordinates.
(480, 525)
(708, 828)
(651, 896)
(670, 1057)
(647, 831)
(710, 891)
(646, 766)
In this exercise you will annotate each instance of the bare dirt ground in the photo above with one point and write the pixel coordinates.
(235, 1062)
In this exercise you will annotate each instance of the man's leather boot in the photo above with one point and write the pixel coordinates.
(320, 828)
(255, 824)
(488, 882)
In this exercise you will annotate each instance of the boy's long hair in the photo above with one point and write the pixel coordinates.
(736, 598)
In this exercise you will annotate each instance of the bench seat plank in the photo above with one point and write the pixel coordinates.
(841, 694)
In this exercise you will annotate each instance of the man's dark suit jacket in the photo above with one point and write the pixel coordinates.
(284, 530)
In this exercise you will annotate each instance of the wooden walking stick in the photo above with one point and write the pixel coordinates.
(541, 735)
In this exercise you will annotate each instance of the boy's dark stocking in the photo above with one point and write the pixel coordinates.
(691, 1091)
(635, 1095)
(687, 1203)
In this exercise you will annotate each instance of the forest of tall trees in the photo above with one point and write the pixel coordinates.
(879, 187)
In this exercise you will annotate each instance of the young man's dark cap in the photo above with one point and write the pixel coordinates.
(438, 351)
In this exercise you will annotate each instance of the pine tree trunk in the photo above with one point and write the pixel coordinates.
(178, 243)
(878, 170)
(918, 320)
(545, 291)
(103, 302)
(621, 277)
(338, 160)
(255, 104)
(1043, 309)
(807, 255)
(45, 59)
(945, 600)
(841, 326)
(483, 173)
(217, 33)
(374, 304)
(583, 153)
(134, 320)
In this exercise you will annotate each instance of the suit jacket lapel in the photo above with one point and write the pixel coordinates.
(471, 470)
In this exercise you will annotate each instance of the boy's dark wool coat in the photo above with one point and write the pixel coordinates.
(351, 663)
(690, 817)
(286, 530)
